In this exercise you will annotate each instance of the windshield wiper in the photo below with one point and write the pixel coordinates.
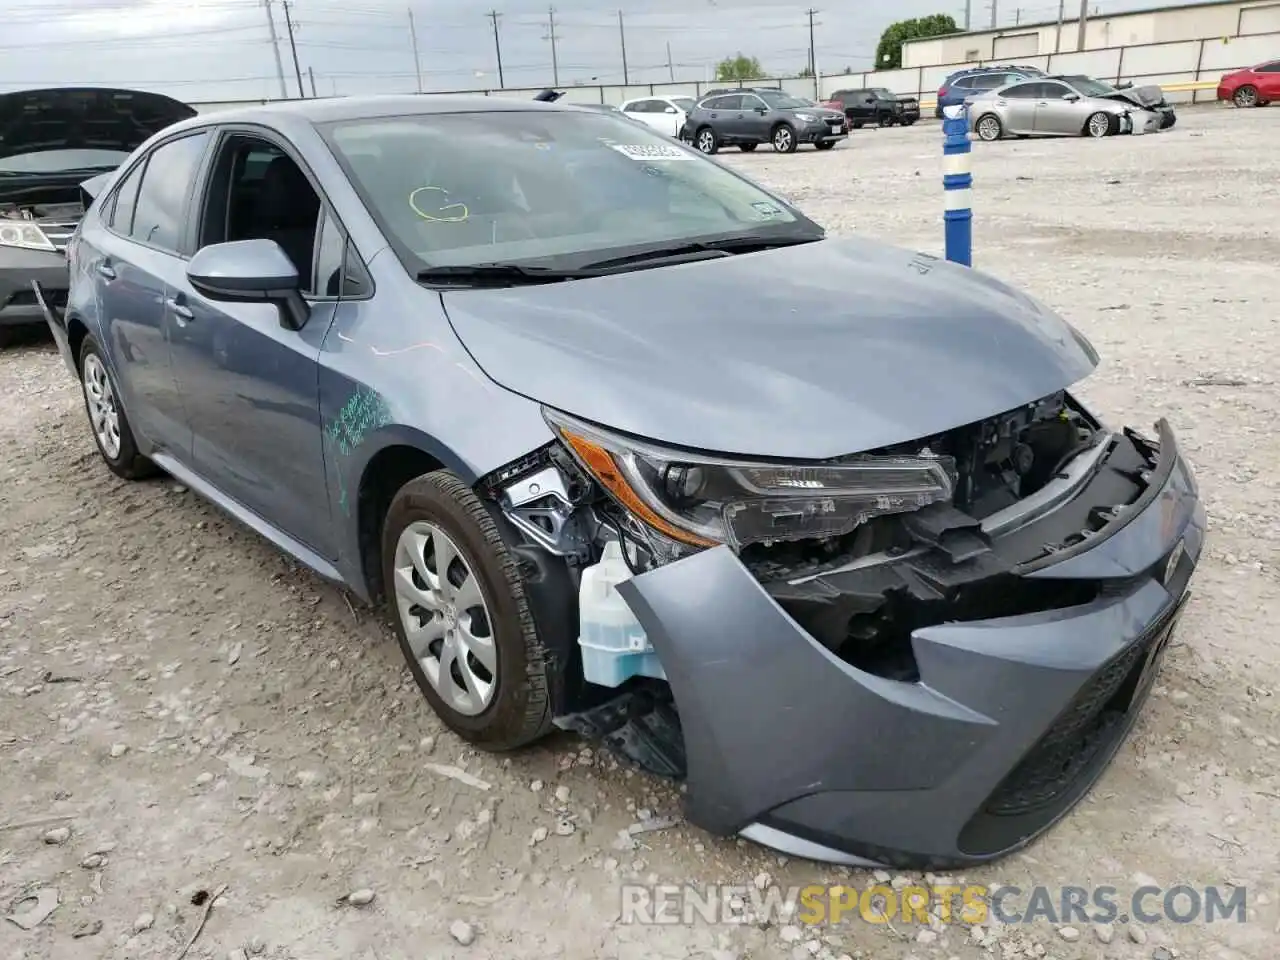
(702, 249)
(496, 275)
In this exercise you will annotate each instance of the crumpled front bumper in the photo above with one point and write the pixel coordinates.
(791, 746)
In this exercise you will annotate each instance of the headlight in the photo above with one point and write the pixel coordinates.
(703, 501)
(806, 117)
(25, 235)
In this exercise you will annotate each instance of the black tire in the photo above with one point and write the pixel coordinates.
(1246, 96)
(824, 144)
(989, 122)
(783, 138)
(706, 141)
(857, 125)
(907, 123)
(128, 463)
(1111, 128)
(520, 711)
(747, 147)
(885, 120)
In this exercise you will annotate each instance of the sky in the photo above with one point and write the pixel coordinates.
(213, 50)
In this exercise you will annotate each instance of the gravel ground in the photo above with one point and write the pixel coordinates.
(205, 713)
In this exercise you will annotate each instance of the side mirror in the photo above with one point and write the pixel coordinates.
(247, 271)
(670, 110)
(762, 110)
(1072, 97)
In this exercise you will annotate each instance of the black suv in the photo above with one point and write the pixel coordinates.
(875, 105)
(751, 116)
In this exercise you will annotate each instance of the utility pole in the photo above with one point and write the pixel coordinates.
(551, 35)
(293, 48)
(622, 37)
(671, 70)
(1084, 20)
(275, 48)
(311, 75)
(1057, 40)
(995, 13)
(1017, 16)
(813, 56)
(497, 44)
(417, 61)
(968, 14)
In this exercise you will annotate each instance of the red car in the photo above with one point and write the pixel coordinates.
(1254, 87)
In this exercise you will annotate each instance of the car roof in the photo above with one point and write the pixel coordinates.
(337, 109)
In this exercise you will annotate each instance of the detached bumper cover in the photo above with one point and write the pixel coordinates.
(18, 268)
(1010, 723)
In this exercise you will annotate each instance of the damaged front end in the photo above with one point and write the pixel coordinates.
(1152, 111)
(923, 654)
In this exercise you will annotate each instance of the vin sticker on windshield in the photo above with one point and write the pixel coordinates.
(650, 151)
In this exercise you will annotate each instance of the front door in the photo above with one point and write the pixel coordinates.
(251, 385)
(1269, 81)
(1019, 103)
(1057, 115)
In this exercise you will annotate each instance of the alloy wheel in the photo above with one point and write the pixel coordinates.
(782, 140)
(1099, 125)
(104, 416)
(706, 141)
(1246, 97)
(989, 128)
(446, 618)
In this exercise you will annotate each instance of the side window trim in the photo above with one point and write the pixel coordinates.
(109, 218)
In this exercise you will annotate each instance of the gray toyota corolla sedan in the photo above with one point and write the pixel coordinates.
(595, 418)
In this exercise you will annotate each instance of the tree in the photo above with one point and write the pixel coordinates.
(739, 67)
(805, 72)
(889, 50)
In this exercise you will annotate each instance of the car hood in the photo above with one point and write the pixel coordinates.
(772, 353)
(1148, 96)
(83, 118)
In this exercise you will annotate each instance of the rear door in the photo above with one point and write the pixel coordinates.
(1269, 81)
(1018, 107)
(135, 255)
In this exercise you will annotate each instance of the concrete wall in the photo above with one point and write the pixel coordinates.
(1129, 29)
(1168, 64)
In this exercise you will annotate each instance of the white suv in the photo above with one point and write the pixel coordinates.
(662, 113)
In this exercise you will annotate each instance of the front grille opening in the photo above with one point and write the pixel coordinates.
(873, 634)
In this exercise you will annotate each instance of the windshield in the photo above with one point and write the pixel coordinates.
(683, 103)
(55, 161)
(781, 101)
(559, 188)
(1089, 87)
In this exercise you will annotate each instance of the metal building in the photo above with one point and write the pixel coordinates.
(1157, 25)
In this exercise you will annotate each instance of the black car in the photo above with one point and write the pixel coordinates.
(51, 141)
(875, 105)
(751, 116)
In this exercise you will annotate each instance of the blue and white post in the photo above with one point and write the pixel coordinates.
(956, 184)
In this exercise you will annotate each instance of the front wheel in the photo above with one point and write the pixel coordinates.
(1100, 125)
(111, 431)
(706, 141)
(1246, 96)
(461, 615)
(907, 123)
(784, 139)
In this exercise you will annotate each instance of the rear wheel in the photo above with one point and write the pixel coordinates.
(706, 141)
(461, 615)
(784, 138)
(1246, 96)
(1101, 124)
(989, 127)
(747, 147)
(107, 420)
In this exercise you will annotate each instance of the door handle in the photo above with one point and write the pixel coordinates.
(181, 309)
(107, 271)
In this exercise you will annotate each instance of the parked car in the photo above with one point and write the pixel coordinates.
(972, 81)
(667, 114)
(874, 105)
(1070, 106)
(755, 115)
(742, 538)
(50, 141)
(1255, 87)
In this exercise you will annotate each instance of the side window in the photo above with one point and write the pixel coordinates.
(1022, 91)
(330, 251)
(162, 200)
(1052, 91)
(751, 103)
(258, 192)
(989, 81)
(964, 83)
(121, 219)
(1270, 67)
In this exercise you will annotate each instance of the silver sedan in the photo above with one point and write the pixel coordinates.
(1067, 107)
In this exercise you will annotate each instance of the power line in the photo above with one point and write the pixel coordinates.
(497, 44)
